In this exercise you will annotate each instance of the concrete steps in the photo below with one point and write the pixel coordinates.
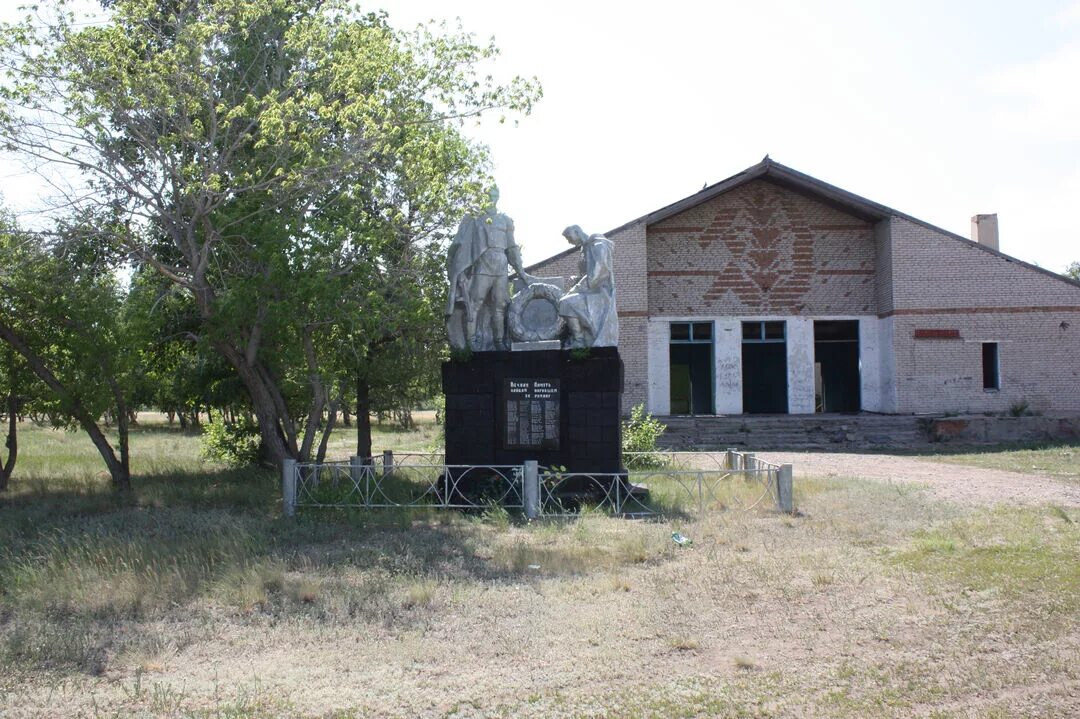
(861, 431)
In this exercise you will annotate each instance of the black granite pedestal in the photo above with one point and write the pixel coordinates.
(563, 411)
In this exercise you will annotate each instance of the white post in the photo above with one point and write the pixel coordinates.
(356, 470)
(531, 490)
(387, 461)
(288, 487)
(750, 465)
(785, 501)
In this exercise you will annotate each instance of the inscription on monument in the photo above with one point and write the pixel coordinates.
(532, 413)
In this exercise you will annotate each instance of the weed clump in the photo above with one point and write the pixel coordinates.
(639, 437)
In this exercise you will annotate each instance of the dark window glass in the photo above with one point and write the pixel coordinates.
(680, 331)
(774, 330)
(836, 330)
(703, 330)
(991, 378)
(751, 330)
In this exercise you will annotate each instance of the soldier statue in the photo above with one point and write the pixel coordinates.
(476, 266)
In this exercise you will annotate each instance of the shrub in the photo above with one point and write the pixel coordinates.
(640, 434)
(236, 445)
(1020, 408)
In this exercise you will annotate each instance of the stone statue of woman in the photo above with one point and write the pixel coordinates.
(589, 305)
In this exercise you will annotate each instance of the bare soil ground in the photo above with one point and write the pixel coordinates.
(944, 480)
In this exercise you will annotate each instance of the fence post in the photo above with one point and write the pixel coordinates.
(288, 487)
(729, 458)
(750, 465)
(785, 502)
(531, 491)
(387, 462)
(355, 474)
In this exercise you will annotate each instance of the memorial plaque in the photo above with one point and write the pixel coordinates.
(532, 413)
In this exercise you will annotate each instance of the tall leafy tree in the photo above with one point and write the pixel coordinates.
(290, 164)
(61, 315)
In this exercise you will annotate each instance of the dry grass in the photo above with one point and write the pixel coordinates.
(194, 599)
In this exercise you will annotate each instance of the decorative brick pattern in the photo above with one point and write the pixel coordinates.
(761, 249)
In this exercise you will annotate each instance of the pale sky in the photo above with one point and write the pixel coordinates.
(938, 109)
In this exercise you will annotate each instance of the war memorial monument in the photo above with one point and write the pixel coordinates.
(535, 372)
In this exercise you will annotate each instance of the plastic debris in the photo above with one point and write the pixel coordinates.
(534, 566)
(681, 540)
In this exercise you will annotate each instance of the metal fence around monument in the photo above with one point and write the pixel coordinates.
(678, 483)
(367, 484)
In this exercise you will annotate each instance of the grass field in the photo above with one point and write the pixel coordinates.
(1055, 460)
(194, 598)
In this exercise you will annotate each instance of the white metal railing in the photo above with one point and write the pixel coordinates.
(676, 483)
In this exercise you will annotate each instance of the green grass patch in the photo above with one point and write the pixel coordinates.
(1030, 556)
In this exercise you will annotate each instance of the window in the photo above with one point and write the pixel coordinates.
(763, 331)
(691, 364)
(990, 366)
(691, 331)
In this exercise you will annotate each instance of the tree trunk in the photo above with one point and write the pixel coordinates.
(12, 443)
(363, 417)
(122, 480)
(329, 429)
(117, 469)
(318, 396)
(346, 418)
(275, 425)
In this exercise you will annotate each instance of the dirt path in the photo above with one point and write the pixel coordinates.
(950, 482)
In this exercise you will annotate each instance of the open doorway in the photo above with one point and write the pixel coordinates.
(764, 362)
(837, 383)
(691, 355)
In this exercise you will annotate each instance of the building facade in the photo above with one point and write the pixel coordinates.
(774, 292)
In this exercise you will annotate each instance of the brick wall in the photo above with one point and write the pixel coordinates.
(1038, 356)
(932, 270)
(952, 287)
(762, 249)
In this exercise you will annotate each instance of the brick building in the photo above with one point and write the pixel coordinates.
(774, 292)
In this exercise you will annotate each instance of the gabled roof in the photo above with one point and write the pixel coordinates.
(784, 176)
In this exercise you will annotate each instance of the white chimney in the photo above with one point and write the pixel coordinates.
(984, 230)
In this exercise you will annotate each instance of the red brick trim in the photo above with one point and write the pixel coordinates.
(936, 334)
(979, 310)
(830, 228)
(634, 313)
(684, 273)
(846, 272)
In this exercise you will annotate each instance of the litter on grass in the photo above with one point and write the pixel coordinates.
(681, 540)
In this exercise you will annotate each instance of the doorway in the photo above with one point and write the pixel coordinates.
(691, 357)
(837, 383)
(764, 362)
